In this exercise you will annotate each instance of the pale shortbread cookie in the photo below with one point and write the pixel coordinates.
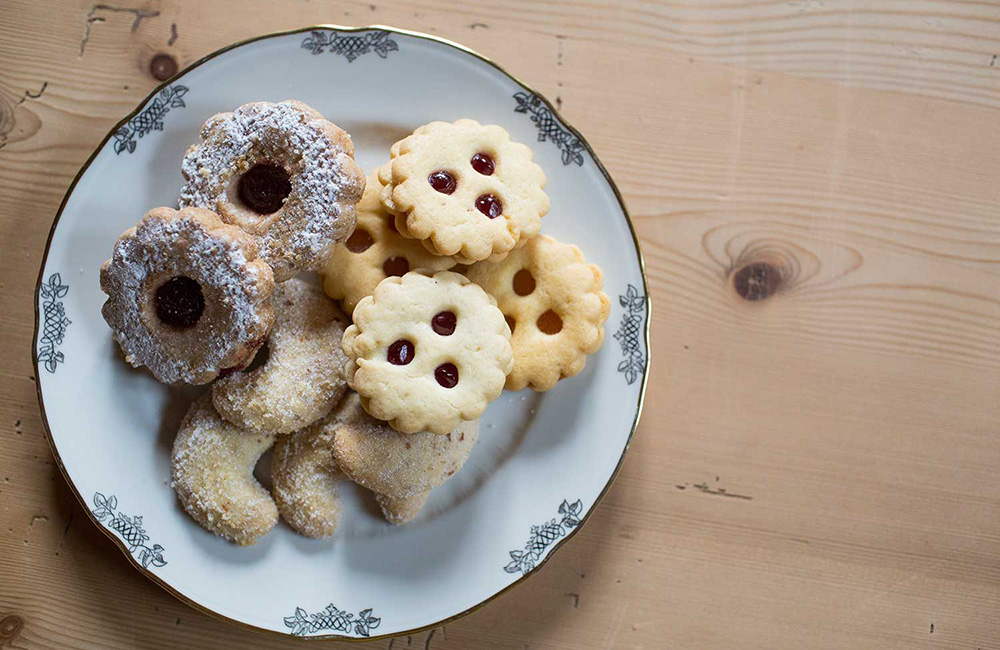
(401, 510)
(394, 464)
(464, 189)
(302, 377)
(282, 173)
(553, 302)
(187, 296)
(213, 463)
(306, 479)
(427, 352)
(374, 252)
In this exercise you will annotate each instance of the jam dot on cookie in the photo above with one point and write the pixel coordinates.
(550, 323)
(443, 182)
(359, 241)
(400, 353)
(489, 205)
(179, 302)
(510, 322)
(395, 266)
(483, 164)
(444, 323)
(264, 188)
(524, 282)
(446, 375)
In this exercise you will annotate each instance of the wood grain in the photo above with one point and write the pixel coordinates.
(816, 467)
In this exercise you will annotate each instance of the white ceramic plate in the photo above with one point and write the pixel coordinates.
(544, 460)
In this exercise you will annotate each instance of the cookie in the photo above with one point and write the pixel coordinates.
(401, 510)
(213, 463)
(306, 479)
(282, 173)
(187, 295)
(553, 302)
(464, 189)
(427, 352)
(374, 252)
(394, 464)
(302, 374)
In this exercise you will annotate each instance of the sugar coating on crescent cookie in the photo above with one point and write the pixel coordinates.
(306, 479)
(282, 173)
(427, 351)
(395, 464)
(187, 295)
(302, 377)
(373, 252)
(401, 510)
(464, 189)
(213, 464)
(554, 304)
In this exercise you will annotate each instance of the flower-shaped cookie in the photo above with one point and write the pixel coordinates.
(553, 302)
(283, 174)
(464, 190)
(374, 252)
(427, 352)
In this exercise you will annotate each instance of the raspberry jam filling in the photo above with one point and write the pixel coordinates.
(395, 266)
(264, 188)
(443, 182)
(400, 353)
(359, 241)
(483, 164)
(446, 375)
(444, 323)
(179, 302)
(489, 205)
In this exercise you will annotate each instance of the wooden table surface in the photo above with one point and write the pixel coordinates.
(817, 468)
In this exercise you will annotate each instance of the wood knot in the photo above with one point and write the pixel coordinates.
(10, 626)
(163, 66)
(757, 281)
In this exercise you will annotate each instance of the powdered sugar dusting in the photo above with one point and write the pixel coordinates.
(325, 181)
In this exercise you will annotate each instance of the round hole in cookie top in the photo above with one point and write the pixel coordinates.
(483, 163)
(395, 266)
(179, 302)
(550, 323)
(359, 241)
(444, 323)
(264, 187)
(400, 353)
(442, 181)
(489, 205)
(524, 282)
(446, 375)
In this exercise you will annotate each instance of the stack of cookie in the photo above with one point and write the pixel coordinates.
(389, 397)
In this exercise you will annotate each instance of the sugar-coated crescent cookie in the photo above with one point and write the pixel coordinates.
(213, 463)
(395, 464)
(427, 352)
(306, 479)
(555, 307)
(187, 296)
(302, 377)
(464, 189)
(282, 173)
(374, 252)
(401, 510)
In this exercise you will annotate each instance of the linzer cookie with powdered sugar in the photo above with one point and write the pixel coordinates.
(283, 174)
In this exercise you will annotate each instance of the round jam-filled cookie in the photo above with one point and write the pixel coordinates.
(282, 173)
(187, 296)
(306, 479)
(401, 510)
(427, 352)
(374, 252)
(553, 302)
(464, 189)
(302, 375)
(213, 463)
(394, 464)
